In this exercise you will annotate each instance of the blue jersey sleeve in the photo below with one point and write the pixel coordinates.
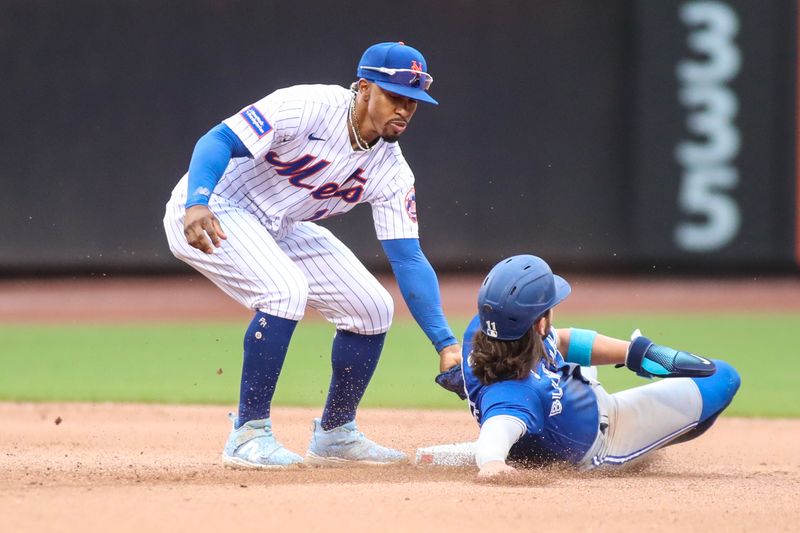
(513, 398)
(210, 158)
(420, 289)
(466, 342)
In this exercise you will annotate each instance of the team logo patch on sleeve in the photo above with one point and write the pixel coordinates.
(411, 205)
(257, 121)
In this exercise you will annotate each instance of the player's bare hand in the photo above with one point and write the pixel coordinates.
(449, 356)
(496, 470)
(199, 226)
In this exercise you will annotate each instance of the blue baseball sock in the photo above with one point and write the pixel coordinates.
(353, 358)
(265, 344)
(717, 392)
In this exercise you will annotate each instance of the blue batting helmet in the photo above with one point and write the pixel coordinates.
(515, 293)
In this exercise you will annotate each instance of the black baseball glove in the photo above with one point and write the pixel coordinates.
(452, 380)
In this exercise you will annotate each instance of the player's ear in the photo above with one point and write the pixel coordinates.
(364, 87)
(540, 326)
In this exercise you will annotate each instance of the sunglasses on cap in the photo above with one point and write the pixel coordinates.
(405, 76)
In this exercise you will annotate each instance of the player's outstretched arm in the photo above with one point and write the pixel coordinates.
(641, 355)
(420, 289)
(600, 349)
(498, 435)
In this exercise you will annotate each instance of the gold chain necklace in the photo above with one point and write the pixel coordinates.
(353, 123)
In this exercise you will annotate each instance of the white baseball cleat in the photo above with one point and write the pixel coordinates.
(254, 446)
(345, 446)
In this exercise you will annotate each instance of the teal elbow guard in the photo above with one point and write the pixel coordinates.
(580, 346)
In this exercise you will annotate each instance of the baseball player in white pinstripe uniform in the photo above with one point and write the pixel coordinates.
(244, 216)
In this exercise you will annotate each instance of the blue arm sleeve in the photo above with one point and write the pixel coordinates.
(211, 156)
(420, 289)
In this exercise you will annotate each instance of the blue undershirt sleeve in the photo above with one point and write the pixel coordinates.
(210, 158)
(420, 289)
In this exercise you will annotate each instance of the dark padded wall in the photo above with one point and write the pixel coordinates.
(549, 133)
(714, 116)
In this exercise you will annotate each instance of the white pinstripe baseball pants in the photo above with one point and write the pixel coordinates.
(279, 277)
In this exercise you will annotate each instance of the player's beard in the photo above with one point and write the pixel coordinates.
(390, 135)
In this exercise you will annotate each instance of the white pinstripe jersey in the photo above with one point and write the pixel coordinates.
(304, 168)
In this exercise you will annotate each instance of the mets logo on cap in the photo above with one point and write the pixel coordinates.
(397, 68)
(411, 205)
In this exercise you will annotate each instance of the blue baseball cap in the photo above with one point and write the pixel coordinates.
(515, 293)
(397, 68)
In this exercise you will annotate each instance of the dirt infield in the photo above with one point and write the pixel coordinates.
(108, 467)
(133, 468)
